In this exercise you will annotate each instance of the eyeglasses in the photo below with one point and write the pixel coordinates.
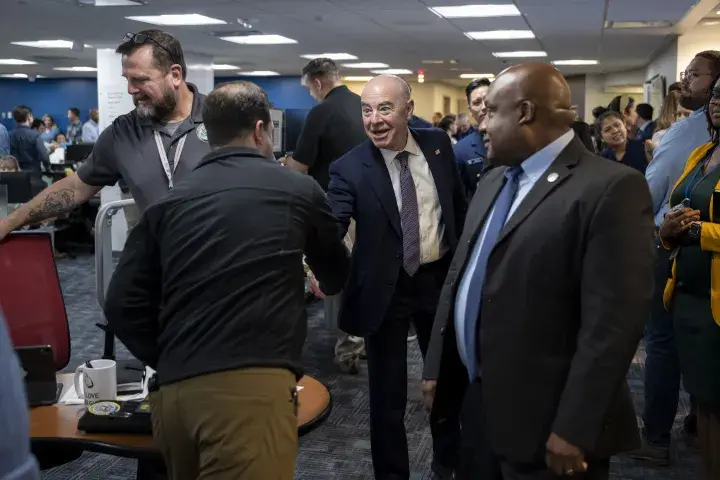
(690, 76)
(141, 39)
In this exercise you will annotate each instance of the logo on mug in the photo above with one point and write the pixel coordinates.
(88, 381)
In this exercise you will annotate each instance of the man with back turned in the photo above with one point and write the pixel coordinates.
(545, 301)
(209, 292)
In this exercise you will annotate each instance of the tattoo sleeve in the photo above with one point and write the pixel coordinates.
(53, 204)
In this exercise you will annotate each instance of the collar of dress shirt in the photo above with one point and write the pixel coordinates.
(411, 147)
(539, 161)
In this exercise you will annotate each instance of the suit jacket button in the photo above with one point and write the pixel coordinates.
(478, 175)
(442, 331)
(391, 283)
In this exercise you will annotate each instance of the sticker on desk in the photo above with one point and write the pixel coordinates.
(143, 408)
(104, 408)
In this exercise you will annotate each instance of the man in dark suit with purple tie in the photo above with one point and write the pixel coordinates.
(403, 190)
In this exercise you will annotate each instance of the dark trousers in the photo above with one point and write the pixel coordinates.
(478, 461)
(662, 365)
(415, 300)
(708, 425)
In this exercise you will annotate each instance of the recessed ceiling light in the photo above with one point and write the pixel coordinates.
(331, 56)
(76, 69)
(259, 73)
(15, 61)
(657, 24)
(520, 54)
(433, 62)
(500, 35)
(470, 11)
(393, 71)
(477, 75)
(358, 78)
(575, 62)
(111, 3)
(259, 39)
(182, 19)
(366, 65)
(224, 66)
(14, 75)
(709, 23)
(48, 44)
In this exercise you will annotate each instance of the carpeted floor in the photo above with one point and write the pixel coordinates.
(340, 448)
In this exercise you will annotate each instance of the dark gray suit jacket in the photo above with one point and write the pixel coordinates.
(566, 296)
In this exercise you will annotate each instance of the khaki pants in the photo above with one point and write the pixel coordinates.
(238, 425)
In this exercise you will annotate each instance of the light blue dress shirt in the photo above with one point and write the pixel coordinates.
(90, 132)
(670, 157)
(16, 461)
(4, 140)
(533, 168)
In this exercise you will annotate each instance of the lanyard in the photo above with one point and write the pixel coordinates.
(164, 158)
(690, 188)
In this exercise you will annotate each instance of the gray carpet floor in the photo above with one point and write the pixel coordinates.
(340, 448)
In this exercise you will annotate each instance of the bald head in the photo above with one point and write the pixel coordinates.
(528, 107)
(387, 108)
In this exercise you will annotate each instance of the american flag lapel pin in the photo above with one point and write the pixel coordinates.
(437, 152)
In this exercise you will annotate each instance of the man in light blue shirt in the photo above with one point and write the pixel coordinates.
(532, 169)
(91, 129)
(16, 461)
(662, 367)
(4, 140)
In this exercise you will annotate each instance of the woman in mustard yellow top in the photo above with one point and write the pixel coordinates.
(692, 230)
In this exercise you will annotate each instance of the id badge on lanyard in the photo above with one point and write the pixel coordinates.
(164, 158)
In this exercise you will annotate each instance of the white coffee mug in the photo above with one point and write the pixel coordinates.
(99, 382)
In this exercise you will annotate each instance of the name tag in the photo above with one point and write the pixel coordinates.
(473, 161)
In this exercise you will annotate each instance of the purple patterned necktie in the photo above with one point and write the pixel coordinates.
(409, 217)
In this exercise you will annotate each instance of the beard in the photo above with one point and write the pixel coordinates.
(156, 110)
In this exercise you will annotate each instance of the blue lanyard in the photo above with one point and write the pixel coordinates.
(688, 190)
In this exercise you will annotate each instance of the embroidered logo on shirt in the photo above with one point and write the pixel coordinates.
(201, 132)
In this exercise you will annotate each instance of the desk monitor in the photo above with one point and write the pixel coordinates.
(78, 152)
(18, 185)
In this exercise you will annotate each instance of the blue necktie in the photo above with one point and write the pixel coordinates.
(503, 203)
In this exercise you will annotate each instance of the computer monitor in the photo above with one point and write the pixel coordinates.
(19, 186)
(78, 152)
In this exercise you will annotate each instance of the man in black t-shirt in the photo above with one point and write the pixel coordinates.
(331, 129)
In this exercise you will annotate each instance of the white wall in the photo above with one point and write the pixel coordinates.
(695, 41)
(665, 64)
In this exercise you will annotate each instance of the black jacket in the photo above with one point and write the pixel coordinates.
(212, 278)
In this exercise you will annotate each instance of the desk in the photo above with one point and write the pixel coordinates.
(58, 424)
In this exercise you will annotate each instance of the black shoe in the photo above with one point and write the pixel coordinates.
(441, 472)
(655, 453)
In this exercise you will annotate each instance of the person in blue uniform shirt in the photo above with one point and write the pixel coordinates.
(470, 151)
(618, 146)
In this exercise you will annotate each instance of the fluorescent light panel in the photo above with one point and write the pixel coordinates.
(75, 69)
(474, 11)
(111, 3)
(259, 73)
(393, 71)
(15, 61)
(477, 75)
(259, 39)
(520, 54)
(48, 44)
(331, 56)
(500, 35)
(358, 78)
(433, 62)
(224, 66)
(181, 19)
(367, 65)
(575, 62)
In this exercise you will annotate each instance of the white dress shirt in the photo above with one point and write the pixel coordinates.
(432, 229)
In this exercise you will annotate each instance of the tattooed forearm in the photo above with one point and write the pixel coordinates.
(54, 203)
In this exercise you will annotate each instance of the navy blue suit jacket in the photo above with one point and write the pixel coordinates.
(360, 189)
(470, 155)
(417, 122)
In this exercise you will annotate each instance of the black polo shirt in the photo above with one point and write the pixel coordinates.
(332, 128)
(127, 150)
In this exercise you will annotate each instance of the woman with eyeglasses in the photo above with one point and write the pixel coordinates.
(619, 147)
(691, 230)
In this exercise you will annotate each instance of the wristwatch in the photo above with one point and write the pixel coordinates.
(693, 233)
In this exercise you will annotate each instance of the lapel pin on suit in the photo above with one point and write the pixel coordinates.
(437, 152)
(552, 177)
